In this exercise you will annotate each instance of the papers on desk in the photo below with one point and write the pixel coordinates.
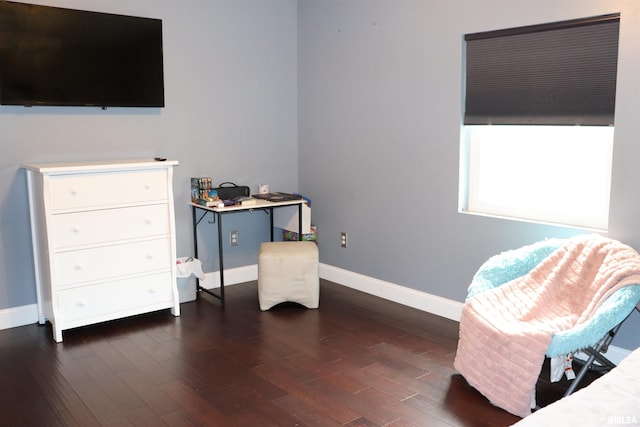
(277, 197)
(257, 200)
(253, 201)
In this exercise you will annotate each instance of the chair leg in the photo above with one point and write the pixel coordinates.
(595, 353)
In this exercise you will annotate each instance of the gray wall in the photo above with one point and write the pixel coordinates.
(380, 89)
(355, 103)
(231, 113)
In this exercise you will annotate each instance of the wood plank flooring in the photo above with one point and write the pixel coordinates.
(357, 361)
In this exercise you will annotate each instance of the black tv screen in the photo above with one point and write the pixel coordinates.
(64, 57)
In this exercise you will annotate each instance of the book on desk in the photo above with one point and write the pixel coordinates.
(209, 202)
(277, 197)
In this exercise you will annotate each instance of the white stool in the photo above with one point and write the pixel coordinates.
(288, 271)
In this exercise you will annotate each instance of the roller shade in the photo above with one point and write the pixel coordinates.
(562, 73)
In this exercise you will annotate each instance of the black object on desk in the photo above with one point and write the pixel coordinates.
(217, 213)
(277, 197)
(229, 191)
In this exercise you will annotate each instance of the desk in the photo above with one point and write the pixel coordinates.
(217, 213)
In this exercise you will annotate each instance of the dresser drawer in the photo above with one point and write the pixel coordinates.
(109, 225)
(86, 191)
(100, 300)
(106, 262)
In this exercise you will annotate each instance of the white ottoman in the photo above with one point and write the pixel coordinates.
(288, 271)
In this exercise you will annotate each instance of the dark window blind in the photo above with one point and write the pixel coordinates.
(561, 73)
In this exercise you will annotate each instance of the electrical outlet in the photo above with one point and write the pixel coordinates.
(234, 238)
(343, 239)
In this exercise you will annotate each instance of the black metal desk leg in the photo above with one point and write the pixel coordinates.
(300, 221)
(195, 243)
(271, 222)
(220, 257)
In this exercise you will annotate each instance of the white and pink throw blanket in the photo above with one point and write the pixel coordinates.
(505, 332)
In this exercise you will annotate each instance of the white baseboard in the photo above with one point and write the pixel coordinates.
(616, 354)
(420, 300)
(449, 309)
(390, 291)
(406, 296)
(18, 316)
(232, 276)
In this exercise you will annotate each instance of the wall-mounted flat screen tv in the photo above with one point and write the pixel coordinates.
(62, 57)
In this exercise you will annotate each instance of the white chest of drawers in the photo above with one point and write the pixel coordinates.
(103, 237)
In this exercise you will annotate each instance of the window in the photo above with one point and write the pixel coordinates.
(537, 138)
(555, 174)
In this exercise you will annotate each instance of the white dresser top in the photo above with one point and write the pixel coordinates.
(98, 165)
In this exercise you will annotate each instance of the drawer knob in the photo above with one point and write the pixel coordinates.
(81, 304)
(77, 267)
(75, 230)
(152, 290)
(147, 221)
(147, 187)
(73, 193)
(149, 256)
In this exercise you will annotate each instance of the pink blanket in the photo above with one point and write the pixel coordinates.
(505, 332)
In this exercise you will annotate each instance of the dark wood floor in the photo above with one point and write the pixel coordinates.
(357, 361)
